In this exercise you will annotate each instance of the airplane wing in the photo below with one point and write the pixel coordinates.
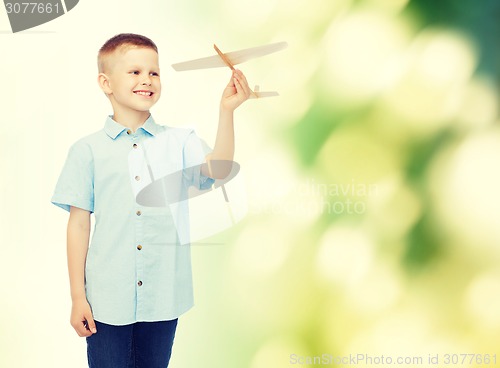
(203, 63)
(256, 93)
(236, 57)
(264, 94)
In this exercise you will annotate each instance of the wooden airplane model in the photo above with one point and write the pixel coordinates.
(233, 58)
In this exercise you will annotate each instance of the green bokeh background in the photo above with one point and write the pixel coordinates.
(373, 224)
(396, 103)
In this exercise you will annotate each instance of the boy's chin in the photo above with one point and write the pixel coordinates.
(144, 107)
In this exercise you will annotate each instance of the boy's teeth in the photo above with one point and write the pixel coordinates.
(144, 93)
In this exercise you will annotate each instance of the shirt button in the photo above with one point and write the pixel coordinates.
(129, 131)
(137, 178)
(139, 247)
(134, 145)
(139, 283)
(138, 213)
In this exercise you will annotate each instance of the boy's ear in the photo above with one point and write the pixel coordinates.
(103, 81)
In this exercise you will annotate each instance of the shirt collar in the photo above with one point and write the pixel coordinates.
(150, 126)
(113, 128)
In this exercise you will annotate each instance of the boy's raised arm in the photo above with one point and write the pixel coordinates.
(77, 245)
(236, 92)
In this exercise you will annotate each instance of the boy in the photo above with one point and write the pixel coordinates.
(129, 287)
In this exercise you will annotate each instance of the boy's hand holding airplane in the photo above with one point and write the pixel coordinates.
(236, 92)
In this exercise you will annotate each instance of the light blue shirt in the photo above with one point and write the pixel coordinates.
(136, 269)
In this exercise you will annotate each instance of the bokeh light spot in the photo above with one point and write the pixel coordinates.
(482, 300)
(345, 255)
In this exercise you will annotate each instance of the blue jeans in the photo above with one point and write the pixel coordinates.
(139, 345)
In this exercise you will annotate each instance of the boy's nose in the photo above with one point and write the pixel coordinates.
(146, 81)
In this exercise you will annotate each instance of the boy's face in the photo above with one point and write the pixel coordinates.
(133, 79)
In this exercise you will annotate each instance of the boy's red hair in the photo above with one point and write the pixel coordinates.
(120, 41)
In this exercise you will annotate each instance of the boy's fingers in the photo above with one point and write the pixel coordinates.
(91, 324)
(241, 75)
(242, 89)
(239, 87)
(81, 329)
(86, 327)
(243, 81)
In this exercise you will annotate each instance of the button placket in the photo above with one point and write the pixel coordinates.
(141, 270)
(135, 146)
(139, 256)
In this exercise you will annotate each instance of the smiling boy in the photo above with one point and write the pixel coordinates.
(128, 287)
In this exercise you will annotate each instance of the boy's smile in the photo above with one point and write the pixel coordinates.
(144, 93)
(133, 81)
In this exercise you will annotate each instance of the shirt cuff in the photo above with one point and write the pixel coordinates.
(65, 201)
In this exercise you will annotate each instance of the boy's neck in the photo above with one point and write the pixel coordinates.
(133, 120)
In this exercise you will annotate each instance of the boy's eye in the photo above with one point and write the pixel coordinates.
(154, 74)
(136, 72)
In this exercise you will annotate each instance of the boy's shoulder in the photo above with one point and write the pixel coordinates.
(90, 139)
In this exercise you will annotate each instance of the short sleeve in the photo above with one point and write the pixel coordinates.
(75, 186)
(194, 152)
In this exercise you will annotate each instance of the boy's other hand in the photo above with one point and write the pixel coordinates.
(236, 92)
(81, 318)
